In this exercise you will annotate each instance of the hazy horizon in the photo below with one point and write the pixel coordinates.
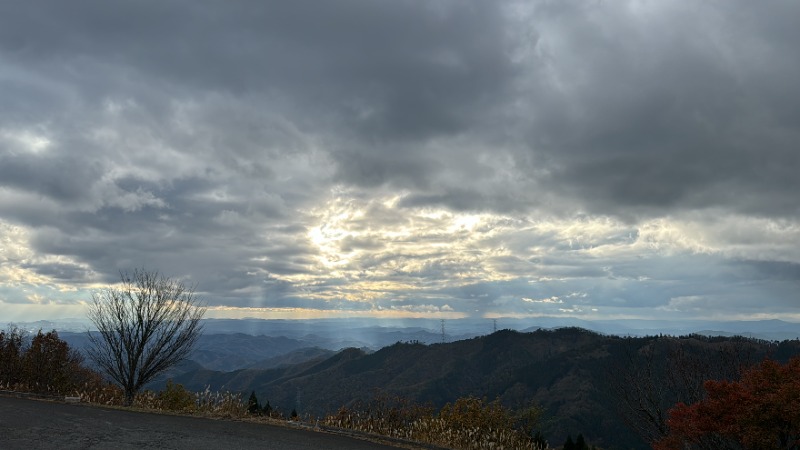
(450, 159)
(456, 329)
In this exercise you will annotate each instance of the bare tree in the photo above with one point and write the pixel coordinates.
(656, 373)
(144, 327)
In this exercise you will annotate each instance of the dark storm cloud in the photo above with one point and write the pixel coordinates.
(388, 72)
(669, 106)
(628, 109)
(414, 60)
(62, 178)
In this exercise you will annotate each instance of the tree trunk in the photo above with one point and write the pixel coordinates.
(129, 394)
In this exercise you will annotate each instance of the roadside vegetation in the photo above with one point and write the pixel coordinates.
(43, 364)
(467, 423)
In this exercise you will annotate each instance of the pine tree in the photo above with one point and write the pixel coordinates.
(267, 409)
(580, 443)
(252, 404)
(570, 444)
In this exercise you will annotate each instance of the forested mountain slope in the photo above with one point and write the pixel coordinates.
(578, 376)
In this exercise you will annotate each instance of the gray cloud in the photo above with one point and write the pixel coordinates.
(400, 155)
(654, 111)
(61, 178)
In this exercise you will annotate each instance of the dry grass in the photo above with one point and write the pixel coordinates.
(469, 424)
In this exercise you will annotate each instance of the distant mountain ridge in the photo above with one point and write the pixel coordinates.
(565, 370)
(293, 358)
(228, 352)
(376, 333)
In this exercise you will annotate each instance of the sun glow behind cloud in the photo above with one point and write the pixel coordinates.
(374, 258)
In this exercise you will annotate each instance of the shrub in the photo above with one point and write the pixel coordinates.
(175, 397)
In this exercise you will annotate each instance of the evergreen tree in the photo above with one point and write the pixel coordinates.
(294, 414)
(252, 404)
(267, 409)
(570, 444)
(580, 443)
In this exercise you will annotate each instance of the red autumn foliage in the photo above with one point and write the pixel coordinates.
(49, 365)
(43, 364)
(760, 411)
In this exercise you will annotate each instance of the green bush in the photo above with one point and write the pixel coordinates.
(175, 397)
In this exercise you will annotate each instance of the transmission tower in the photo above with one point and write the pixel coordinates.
(494, 321)
(443, 335)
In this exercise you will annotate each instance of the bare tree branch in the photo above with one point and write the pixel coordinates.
(656, 373)
(144, 327)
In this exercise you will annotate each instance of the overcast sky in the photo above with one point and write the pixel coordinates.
(595, 159)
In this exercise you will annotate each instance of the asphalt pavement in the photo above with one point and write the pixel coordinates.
(40, 424)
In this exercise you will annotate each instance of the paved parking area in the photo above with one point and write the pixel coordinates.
(38, 424)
